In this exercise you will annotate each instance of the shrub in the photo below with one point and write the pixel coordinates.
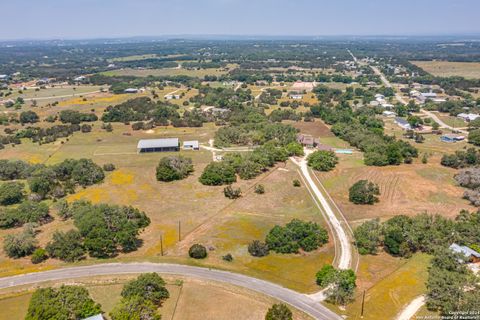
(259, 189)
(322, 160)
(294, 149)
(39, 255)
(228, 257)
(11, 193)
(174, 168)
(231, 193)
(197, 251)
(340, 283)
(364, 192)
(66, 246)
(326, 275)
(296, 183)
(21, 244)
(108, 167)
(218, 173)
(149, 286)
(258, 249)
(279, 312)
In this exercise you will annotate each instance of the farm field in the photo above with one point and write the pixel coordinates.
(218, 300)
(168, 72)
(469, 70)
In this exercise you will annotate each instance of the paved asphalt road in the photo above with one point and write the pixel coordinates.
(297, 300)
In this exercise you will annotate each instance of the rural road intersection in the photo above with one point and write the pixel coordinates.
(299, 301)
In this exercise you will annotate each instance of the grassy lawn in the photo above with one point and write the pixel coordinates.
(217, 300)
(389, 294)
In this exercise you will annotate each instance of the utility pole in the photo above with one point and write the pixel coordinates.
(363, 303)
(161, 244)
(179, 231)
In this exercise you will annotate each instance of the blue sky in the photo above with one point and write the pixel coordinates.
(115, 18)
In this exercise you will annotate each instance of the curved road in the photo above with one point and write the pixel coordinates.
(295, 299)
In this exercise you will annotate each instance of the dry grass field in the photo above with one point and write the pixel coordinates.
(469, 70)
(169, 72)
(190, 299)
(205, 215)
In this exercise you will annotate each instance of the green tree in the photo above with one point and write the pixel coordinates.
(367, 237)
(66, 246)
(279, 312)
(218, 173)
(64, 303)
(322, 160)
(11, 193)
(341, 284)
(258, 249)
(39, 255)
(174, 168)
(294, 149)
(149, 286)
(20, 244)
(135, 308)
(326, 275)
(197, 251)
(364, 192)
(474, 137)
(28, 117)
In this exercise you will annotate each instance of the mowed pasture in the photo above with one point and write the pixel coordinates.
(469, 70)
(217, 300)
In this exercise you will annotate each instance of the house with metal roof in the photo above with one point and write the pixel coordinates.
(403, 123)
(158, 145)
(469, 253)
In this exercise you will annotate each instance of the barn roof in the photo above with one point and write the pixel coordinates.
(157, 143)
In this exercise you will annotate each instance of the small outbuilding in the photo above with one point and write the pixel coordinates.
(158, 145)
(402, 123)
(191, 145)
(451, 138)
(95, 317)
(131, 90)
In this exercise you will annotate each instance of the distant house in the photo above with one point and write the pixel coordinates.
(451, 138)
(439, 100)
(130, 90)
(95, 317)
(80, 79)
(306, 140)
(402, 123)
(374, 103)
(3, 77)
(470, 254)
(387, 106)
(158, 145)
(467, 117)
(389, 114)
(429, 95)
(191, 145)
(172, 97)
(296, 96)
(379, 97)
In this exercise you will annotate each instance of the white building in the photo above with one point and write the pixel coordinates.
(467, 117)
(389, 114)
(191, 145)
(79, 79)
(296, 96)
(131, 90)
(388, 106)
(172, 96)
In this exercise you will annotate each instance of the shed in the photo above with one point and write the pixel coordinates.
(451, 138)
(191, 145)
(131, 90)
(158, 145)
